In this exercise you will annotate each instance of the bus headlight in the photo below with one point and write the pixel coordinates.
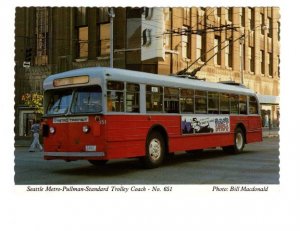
(85, 128)
(52, 130)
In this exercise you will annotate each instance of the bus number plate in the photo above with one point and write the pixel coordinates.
(90, 148)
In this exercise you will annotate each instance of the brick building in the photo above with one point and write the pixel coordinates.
(225, 44)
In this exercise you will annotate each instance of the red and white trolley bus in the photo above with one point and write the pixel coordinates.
(98, 114)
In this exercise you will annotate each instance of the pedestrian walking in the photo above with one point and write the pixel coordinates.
(35, 129)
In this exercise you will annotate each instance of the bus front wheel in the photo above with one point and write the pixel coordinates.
(155, 150)
(239, 142)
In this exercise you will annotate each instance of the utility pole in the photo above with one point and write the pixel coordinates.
(111, 15)
(242, 41)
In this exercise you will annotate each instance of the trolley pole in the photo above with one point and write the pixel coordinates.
(111, 15)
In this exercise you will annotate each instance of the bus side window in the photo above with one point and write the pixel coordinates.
(253, 106)
(171, 100)
(224, 103)
(187, 100)
(154, 98)
(201, 102)
(213, 102)
(132, 97)
(115, 96)
(243, 104)
(234, 104)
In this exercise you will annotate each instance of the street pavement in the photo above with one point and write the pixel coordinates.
(258, 164)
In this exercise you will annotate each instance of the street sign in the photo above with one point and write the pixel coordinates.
(26, 64)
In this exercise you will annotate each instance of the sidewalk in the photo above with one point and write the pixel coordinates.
(23, 141)
(272, 132)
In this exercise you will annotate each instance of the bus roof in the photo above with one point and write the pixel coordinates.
(97, 76)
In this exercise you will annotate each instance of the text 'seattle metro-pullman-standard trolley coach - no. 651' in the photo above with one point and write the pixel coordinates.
(98, 114)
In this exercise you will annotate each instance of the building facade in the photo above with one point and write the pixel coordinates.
(239, 44)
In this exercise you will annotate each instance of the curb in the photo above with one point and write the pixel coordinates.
(270, 136)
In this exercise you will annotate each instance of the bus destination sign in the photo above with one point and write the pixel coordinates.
(60, 120)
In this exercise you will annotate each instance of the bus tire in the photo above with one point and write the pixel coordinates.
(98, 163)
(155, 150)
(239, 142)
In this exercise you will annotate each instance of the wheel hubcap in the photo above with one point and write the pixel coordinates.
(239, 141)
(155, 149)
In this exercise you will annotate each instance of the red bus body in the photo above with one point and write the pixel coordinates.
(123, 136)
(115, 136)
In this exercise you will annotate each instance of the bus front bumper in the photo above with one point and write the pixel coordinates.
(73, 155)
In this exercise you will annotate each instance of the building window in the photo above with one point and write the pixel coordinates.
(252, 58)
(251, 18)
(242, 55)
(270, 64)
(104, 39)
(133, 39)
(217, 48)
(228, 53)
(262, 20)
(103, 15)
(262, 61)
(83, 46)
(199, 48)
(229, 14)
(186, 42)
(186, 15)
(242, 17)
(81, 16)
(270, 28)
(217, 12)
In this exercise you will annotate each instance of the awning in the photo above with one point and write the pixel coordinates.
(268, 99)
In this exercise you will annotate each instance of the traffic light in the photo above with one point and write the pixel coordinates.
(28, 54)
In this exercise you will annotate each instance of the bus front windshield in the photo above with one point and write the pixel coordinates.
(74, 101)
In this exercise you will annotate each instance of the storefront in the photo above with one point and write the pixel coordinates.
(270, 110)
(26, 119)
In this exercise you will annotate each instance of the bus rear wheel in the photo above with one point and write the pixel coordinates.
(98, 162)
(155, 150)
(239, 142)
